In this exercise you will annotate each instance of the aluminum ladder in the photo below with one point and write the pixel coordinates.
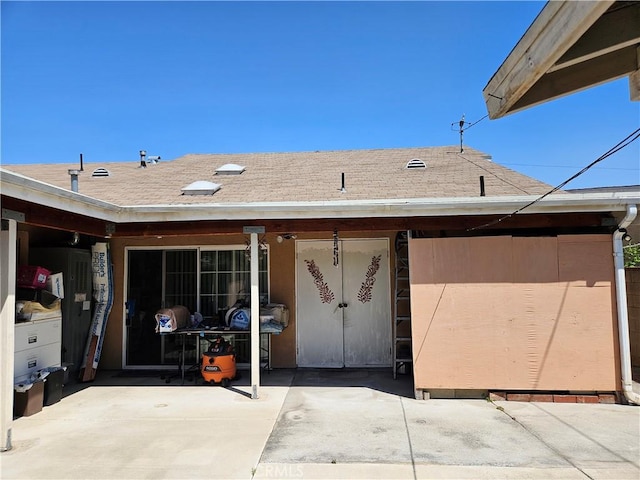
(402, 353)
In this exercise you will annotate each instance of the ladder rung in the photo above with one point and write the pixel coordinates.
(404, 360)
(403, 339)
(403, 318)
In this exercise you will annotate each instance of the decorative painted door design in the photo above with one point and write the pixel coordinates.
(343, 312)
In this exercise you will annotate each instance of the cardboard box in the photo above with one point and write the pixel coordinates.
(55, 284)
(30, 402)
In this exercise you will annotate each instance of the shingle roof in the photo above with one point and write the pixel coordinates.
(296, 177)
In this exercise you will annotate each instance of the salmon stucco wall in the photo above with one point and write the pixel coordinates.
(282, 290)
(282, 287)
(111, 357)
(515, 313)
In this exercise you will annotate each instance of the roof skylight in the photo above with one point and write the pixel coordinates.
(230, 169)
(201, 187)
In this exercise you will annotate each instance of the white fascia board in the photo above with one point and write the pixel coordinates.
(559, 203)
(28, 189)
(41, 193)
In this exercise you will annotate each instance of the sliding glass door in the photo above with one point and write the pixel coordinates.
(207, 280)
(225, 281)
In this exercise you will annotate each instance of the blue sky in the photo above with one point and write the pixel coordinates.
(107, 79)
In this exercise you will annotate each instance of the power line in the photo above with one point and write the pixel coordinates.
(477, 121)
(567, 166)
(619, 146)
(491, 172)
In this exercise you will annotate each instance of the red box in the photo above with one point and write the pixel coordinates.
(30, 276)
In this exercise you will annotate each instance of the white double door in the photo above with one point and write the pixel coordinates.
(343, 312)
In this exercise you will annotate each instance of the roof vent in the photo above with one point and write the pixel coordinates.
(100, 172)
(416, 163)
(230, 169)
(201, 187)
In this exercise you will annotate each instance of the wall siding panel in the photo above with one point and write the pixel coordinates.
(536, 321)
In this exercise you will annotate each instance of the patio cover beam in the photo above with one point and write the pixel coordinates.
(47, 217)
(558, 27)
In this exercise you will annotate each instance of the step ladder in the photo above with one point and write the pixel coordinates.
(402, 353)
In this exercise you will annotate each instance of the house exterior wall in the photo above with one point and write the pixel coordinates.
(633, 305)
(281, 281)
(514, 313)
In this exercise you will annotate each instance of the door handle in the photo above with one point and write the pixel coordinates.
(342, 305)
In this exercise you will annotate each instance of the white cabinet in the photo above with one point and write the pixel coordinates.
(38, 345)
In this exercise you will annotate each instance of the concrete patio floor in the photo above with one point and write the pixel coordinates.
(313, 424)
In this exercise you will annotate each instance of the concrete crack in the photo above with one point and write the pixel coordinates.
(406, 426)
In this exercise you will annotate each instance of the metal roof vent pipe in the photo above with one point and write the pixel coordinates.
(482, 192)
(143, 161)
(73, 172)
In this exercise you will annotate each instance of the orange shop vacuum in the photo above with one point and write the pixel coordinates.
(219, 362)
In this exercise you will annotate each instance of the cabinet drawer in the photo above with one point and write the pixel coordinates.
(35, 334)
(34, 359)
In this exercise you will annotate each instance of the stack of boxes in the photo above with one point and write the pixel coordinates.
(38, 340)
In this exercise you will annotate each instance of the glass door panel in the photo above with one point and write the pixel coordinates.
(144, 298)
(204, 281)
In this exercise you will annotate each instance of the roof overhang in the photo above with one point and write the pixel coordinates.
(569, 47)
(414, 207)
(35, 192)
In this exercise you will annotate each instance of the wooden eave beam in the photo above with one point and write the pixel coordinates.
(634, 81)
(456, 223)
(596, 71)
(47, 217)
(616, 29)
(556, 29)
